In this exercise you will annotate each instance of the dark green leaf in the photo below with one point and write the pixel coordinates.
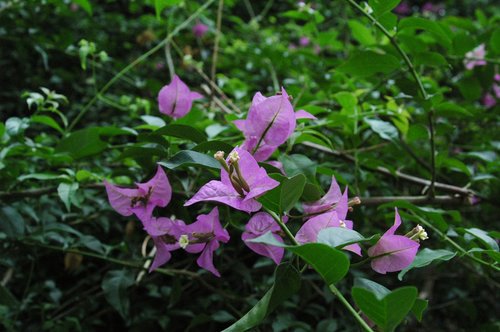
(213, 146)
(330, 263)
(389, 311)
(82, 143)
(287, 282)
(368, 63)
(11, 222)
(425, 257)
(190, 158)
(182, 131)
(114, 285)
(291, 190)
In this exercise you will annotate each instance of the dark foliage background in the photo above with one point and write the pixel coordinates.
(53, 206)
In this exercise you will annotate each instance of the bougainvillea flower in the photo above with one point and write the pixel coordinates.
(332, 218)
(242, 180)
(393, 252)
(204, 236)
(335, 218)
(200, 29)
(403, 8)
(165, 234)
(304, 41)
(175, 99)
(327, 202)
(488, 100)
(258, 225)
(475, 57)
(142, 200)
(270, 121)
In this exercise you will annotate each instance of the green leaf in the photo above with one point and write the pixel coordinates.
(330, 263)
(338, 237)
(82, 143)
(182, 131)
(114, 285)
(449, 109)
(385, 130)
(379, 290)
(428, 26)
(425, 257)
(419, 307)
(11, 222)
(213, 146)
(287, 282)
(271, 199)
(160, 5)
(389, 311)
(381, 7)
(299, 164)
(85, 4)
(368, 63)
(7, 298)
(47, 120)
(41, 176)
(361, 33)
(67, 192)
(190, 158)
(483, 237)
(495, 41)
(291, 190)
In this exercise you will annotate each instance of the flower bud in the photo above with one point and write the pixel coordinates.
(234, 157)
(219, 155)
(183, 241)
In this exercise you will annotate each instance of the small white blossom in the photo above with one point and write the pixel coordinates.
(183, 241)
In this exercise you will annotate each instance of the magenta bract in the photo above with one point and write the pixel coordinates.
(258, 225)
(199, 29)
(142, 200)
(224, 192)
(209, 232)
(270, 121)
(175, 99)
(165, 234)
(326, 202)
(393, 252)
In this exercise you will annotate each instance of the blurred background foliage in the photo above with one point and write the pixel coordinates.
(64, 130)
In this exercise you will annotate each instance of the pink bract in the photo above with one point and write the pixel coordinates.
(208, 226)
(175, 99)
(223, 191)
(258, 225)
(393, 252)
(142, 200)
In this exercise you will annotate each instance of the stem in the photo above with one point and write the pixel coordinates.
(453, 243)
(213, 70)
(346, 304)
(169, 272)
(137, 61)
(332, 287)
(282, 225)
(433, 153)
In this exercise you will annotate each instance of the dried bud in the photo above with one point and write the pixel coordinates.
(72, 261)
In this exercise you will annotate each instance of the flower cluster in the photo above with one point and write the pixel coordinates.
(269, 123)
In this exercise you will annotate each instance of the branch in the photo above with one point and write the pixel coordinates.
(37, 192)
(444, 199)
(396, 174)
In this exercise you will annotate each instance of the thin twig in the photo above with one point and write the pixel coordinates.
(424, 199)
(213, 71)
